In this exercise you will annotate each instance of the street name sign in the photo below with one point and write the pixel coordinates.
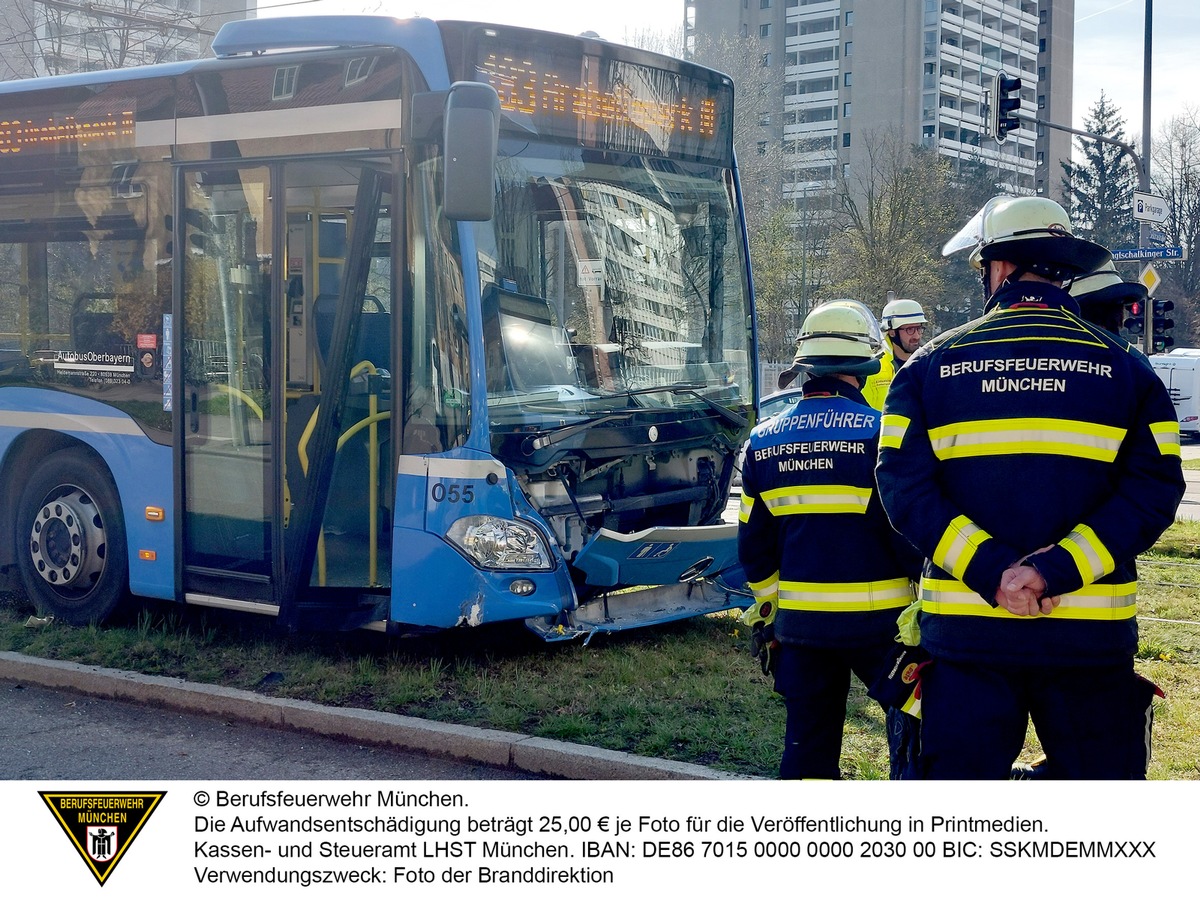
(1149, 253)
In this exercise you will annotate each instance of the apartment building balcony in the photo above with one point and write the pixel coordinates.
(814, 11)
(812, 98)
(1025, 13)
(813, 40)
(809, 70)
(808, 153)
(802, 130)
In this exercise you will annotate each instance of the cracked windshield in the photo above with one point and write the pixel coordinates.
(611, 280)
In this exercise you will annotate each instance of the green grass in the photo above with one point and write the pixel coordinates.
(687, 691)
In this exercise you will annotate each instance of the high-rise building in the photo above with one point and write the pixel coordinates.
(58, 37)
(848, 68)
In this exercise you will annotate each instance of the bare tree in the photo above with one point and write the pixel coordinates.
(776, 249)
(55, 37)
(669, 43)
(896, 219)
(758, 94)
(1176, 177)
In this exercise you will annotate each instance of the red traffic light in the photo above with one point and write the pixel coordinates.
(1135, 308)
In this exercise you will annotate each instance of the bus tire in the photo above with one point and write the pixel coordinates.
(71, 539)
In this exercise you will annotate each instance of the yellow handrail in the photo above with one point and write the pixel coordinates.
(371, 422)
(243, 396)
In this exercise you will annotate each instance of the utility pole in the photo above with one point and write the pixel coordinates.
(1144, 174)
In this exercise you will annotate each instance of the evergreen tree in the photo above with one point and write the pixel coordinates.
(1098, 192)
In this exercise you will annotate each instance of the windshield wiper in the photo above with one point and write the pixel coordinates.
(532, 444)
(694, 390)
(548, 438)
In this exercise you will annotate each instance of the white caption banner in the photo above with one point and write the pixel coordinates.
(576, 839)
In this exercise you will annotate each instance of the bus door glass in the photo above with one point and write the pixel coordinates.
(337, 266)
(256, 463)
(228, 415)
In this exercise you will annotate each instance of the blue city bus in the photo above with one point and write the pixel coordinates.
(376, 323)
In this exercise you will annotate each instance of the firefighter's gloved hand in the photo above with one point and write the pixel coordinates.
(763, 646)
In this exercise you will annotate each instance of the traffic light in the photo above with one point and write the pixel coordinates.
(1162, 326)
(1135, 318)
(1006, 100)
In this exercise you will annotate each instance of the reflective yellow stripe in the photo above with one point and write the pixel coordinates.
(1000, 328)
(891, 432)
(1101, 602)
(851, 596)
(958, 544)
(1166, 435)
(998, 437)
(1091, 556)
(745, 507)
(767, 588)
(817, 498)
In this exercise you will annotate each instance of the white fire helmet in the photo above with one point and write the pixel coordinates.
(1105, 285)
(898, 313)
(839, 337)
(1032, 232)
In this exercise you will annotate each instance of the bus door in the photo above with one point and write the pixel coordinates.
(228, 416)
(289, 480)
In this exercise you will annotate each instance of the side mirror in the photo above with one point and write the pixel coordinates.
(470, 141)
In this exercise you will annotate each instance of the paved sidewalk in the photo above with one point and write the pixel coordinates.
(498, 748)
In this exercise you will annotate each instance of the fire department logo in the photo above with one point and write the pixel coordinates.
(101, 826)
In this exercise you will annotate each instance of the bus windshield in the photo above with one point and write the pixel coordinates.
(607, 276)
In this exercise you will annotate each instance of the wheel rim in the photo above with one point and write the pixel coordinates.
(67, 542)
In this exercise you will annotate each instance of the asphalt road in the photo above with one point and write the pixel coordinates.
(71, 721)
(49, 734)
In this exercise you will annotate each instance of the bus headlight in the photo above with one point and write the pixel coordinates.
(495, 543)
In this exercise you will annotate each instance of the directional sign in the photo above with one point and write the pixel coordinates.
(1149, 208)
(1149, 253)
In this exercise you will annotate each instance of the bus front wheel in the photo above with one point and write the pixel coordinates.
(72, 562)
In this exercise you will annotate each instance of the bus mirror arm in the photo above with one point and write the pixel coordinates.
(428, 111)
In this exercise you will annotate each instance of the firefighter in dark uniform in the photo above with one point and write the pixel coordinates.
(814, 540)
(1030, 455)
(1101, 296)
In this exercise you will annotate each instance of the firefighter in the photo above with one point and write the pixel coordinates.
(1030, 455)
(815, 543)
(903, 322)
(1102, 295)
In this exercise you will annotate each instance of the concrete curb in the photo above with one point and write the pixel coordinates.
(498, 748)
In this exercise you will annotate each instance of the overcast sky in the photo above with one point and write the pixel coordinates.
(1109, 45)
